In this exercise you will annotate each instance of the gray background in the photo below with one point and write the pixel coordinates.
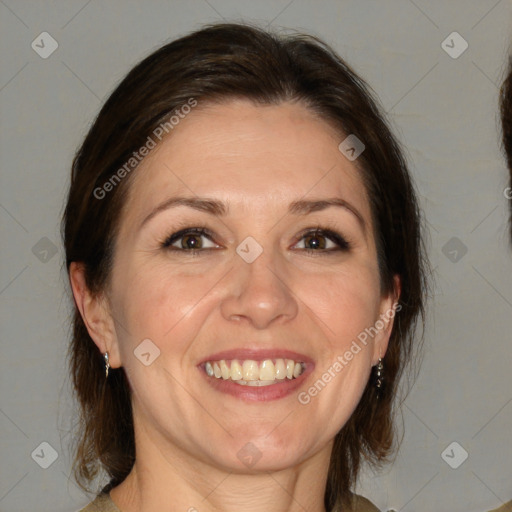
(444, 110)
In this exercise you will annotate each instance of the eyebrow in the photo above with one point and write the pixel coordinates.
(220, 209)
(303, 207)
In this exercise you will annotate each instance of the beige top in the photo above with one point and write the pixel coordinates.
(506, 507)
(103, 503)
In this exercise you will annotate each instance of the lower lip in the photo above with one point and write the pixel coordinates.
(280, 389)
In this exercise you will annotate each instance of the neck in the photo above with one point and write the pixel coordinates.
(160, 478)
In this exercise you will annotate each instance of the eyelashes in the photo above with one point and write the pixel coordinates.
(316, 234)
(196, 232)
(322, 240)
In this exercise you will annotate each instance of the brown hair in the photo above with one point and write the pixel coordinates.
(506, 125)
(218, 63)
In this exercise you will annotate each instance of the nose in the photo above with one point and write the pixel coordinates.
(259, 294)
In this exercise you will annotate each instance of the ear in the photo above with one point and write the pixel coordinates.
(96, 314)
(389, 307)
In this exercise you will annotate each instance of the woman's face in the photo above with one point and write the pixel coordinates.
(254, 292)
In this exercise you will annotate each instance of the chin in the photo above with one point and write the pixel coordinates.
(262, 455)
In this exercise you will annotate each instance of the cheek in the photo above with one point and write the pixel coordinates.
(344, 305)
(158, 303)
(346, 302)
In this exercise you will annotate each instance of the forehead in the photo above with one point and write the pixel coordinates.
(258, 158)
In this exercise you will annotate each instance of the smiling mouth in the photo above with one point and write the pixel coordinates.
(249, 372)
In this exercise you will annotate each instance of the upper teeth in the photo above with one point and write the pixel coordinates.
(249, 370)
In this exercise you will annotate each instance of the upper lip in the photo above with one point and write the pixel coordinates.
(258, 355)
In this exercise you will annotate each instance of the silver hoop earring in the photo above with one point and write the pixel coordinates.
(107, 364)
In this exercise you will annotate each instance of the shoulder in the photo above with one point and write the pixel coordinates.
(357, 504)
(506, 507)
(361, 504)
(102, 503)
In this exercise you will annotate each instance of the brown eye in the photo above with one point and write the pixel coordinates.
(323, 240)
(189, 240)
(316, 241)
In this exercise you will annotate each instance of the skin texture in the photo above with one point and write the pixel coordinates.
(257, 159)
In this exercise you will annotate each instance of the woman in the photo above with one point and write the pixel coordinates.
(506, 131)
(243, 245)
